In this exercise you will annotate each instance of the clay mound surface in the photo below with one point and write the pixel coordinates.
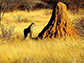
(59, 24)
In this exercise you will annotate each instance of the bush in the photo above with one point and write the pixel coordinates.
(26, 4)
(80, 25)
(6, 32)
(31, 4)
(20, 18)
(71, 4)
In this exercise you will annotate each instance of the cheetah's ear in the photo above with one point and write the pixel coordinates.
(32, 23)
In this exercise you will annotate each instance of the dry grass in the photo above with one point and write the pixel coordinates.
(31, 51)
(38, 51)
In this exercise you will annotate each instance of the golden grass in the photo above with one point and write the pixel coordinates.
(31, 51)
(38, 51)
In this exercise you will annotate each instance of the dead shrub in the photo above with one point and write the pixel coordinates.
(20, 18)
(6, 33)
(80, 25)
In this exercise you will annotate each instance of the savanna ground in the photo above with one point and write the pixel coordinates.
(14, 50)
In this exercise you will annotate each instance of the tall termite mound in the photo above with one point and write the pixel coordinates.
(59, 24)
